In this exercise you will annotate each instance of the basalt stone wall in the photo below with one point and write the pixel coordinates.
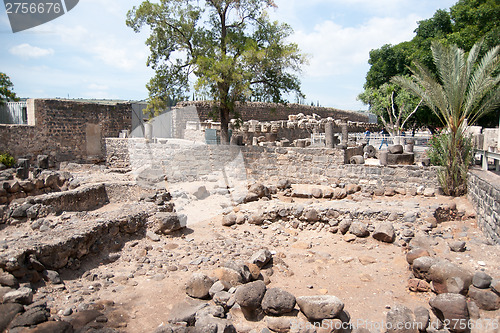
(181, 162)
(484, 193)
(274, 112)
(66, 130)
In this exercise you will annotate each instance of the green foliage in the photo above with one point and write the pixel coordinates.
(455, 155)
(6, 90)
(467, 22)
(230, 48)
(7, 160)
(468, 88)
(393, 106)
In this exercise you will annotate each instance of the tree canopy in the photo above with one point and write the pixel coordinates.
(464, 24)
(7, 93)
(466, 88)
(228, 50)
(394, 106)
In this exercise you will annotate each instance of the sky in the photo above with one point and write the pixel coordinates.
(90, 53)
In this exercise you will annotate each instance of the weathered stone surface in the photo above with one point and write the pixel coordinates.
(201, 193)
(357, 159)
(495, 286)
(7, 313)
(31, 317)
(344, 226)
(284, 184)
(261, 258)
(457, 246)
(485, 298)
(449, 278)
(185, 312)
(81, 318)
(429, 192)
(42, 161)
(311, 215)
(481, 280)
(210, 319)
(256, 218)
(301, 193)
(165, 223)
(8, 280)
(51, 277)
(390, 191)
(317, 193)
(228, 276)
(352, 188)
(198, 285)
(384, 232)
(401, 159)
(84, 198)
(250, 295)
(279, 324)
(259, 189)
(22, 296)
(422, 318)
(218, 287)
(396, 149)
(359, 229)
(401, 319)
(224, 299)
(421, 267)
(452, 308)
(417, 285)
(21, 211)
(339, 193)
(317, 308)
(53, 327)
(229, 220)
(277, 302)
(240, 267)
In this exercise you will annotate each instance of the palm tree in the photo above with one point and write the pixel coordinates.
(467, 89)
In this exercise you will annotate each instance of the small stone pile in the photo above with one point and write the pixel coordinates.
(460, 293)
(18, 312)
(13, 188)
(238, 293)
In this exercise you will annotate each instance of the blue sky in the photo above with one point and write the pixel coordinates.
(90, 52)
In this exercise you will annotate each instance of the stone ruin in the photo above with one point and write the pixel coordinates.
(297, 131)
(79, 243)
(52, 235)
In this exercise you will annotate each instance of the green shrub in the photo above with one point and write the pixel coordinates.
(7, 160)
(455, 155)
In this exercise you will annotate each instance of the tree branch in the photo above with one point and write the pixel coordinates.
(411, 114)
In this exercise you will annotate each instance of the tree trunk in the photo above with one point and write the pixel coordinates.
(224, 124)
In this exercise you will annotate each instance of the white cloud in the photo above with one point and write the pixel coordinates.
(337, 50)
(95, 86)
(28, 51)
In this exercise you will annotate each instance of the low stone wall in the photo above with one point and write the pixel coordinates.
(78, 200)
(188, 162)
(484, 193)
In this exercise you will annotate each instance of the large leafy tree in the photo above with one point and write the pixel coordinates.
(463, 24)
(466, 89)
(7, 93)
(230, 48)
(393, 106)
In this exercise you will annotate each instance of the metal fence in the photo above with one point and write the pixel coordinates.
(14, 113)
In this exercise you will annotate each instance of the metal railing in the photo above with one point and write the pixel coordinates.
(485, 155)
